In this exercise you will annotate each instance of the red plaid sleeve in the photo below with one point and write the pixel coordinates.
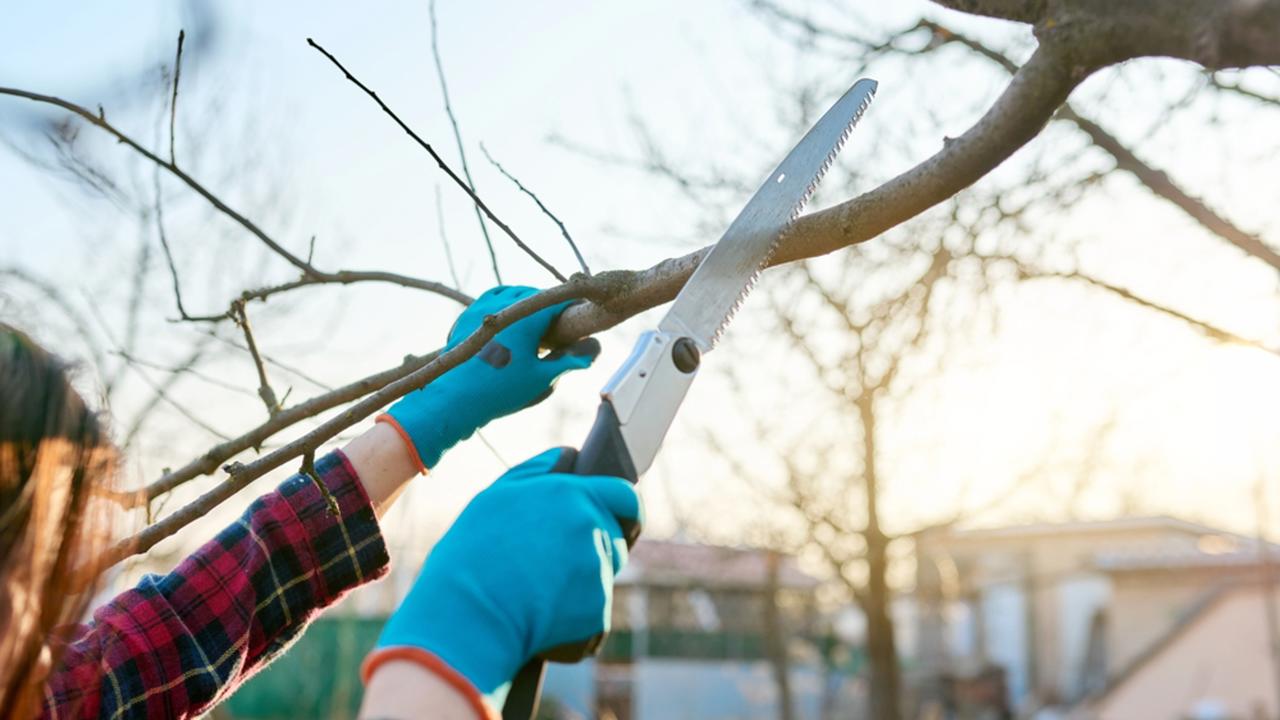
(177, 644)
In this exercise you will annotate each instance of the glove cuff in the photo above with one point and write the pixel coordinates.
(404, 436)
(431, 421)
(434, 665)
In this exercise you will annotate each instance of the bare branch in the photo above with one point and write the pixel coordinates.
(241, 474)
(160, 394)
(265, 392)
(441, 163)
(214, 457)
(184, 369)
(545, 210)
(457, 136)
(1155, 180)
(1014, 119)
(1208, 329)
(444, 240)
(348, 277)
(53, 296)
(168, 251)
(173, 102)
(309, 272)
(291, 369)
(1161, 184)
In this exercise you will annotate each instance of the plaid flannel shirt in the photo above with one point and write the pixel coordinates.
(175, 645)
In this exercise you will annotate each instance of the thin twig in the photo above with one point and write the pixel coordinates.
(173, 102)
(545, 210)
(53, 296)
(184, 369)
(440, 162)
(160, 393)
(291, 369)
(1209, 330)
(241, 474)
(310, 273)
(133, 311)
(347, 277)
(168, 251)
(309, 469)
(265, 391)
(457, 136)
(444, 240)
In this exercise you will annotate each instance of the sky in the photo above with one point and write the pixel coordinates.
(278, 131)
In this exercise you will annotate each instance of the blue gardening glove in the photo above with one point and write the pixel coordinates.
(505, 376)
(528, 566)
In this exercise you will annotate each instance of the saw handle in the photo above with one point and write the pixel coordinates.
(603, 453)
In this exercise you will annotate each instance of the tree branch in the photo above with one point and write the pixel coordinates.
(313, 275)
(265, 391)
(457, 137)
(241, 474)
(444, 240)
(1014, 119)
(545, 210)
(1155, 180)
(441, 163)
(1162, 185)
(173, 102)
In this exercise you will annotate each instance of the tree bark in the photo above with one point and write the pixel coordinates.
(885, 687)
(776, 637)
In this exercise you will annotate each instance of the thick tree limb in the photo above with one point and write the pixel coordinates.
(1214, 33)
(1157, 181)
(1161, 184)
(1034, 94)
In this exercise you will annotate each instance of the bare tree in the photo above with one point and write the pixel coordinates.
(1075, 39)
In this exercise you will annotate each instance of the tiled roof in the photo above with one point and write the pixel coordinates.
(668, 563)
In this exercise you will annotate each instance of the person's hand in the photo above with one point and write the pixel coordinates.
(527, 567)
(505, 376)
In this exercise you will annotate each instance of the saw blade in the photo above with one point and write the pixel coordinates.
(723, 279)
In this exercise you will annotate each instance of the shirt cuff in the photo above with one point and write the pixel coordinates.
(341, 528)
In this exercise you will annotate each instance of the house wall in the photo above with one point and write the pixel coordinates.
(1221, 659)
(1146, 605)
(1054, 572)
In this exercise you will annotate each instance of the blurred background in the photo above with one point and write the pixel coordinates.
(1018, 457)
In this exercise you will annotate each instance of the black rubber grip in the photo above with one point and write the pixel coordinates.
(604, 453)
(526, 692)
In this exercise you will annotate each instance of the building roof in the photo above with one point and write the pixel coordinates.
(1154, 522)
(1244, 552)
(682, 564)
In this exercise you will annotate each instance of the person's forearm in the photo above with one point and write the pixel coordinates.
(386, 698)
(383, 463)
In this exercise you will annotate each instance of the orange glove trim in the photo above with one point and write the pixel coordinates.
(435, 666)
(413, 451)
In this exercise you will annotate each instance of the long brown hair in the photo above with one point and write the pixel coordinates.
(54, 456)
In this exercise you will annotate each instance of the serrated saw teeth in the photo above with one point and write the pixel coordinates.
(721, 282)
(796, 210)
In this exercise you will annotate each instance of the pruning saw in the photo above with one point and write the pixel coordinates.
(640, 401)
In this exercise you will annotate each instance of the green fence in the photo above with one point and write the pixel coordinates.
(319, 676)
